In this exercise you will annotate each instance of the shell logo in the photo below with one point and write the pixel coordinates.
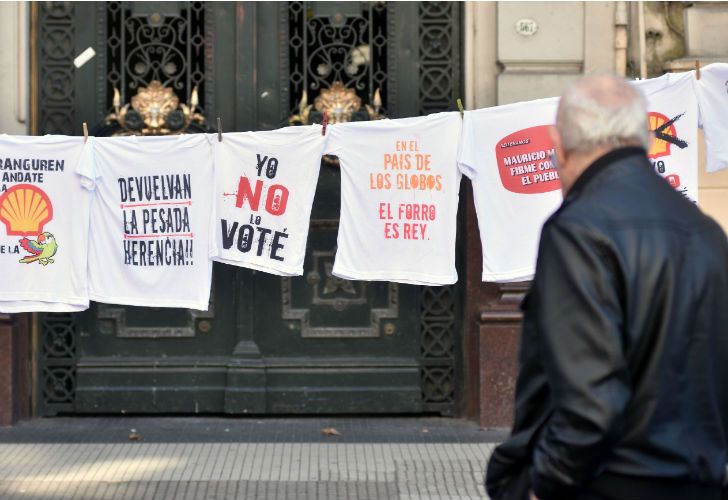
(25, 209)
(659, 147)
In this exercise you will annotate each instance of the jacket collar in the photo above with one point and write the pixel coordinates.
(601, 164)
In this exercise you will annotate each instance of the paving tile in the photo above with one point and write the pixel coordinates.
(292, 465)
(248, 429)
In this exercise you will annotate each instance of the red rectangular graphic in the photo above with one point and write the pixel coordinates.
(524, 161)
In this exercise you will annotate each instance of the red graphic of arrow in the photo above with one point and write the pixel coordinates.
(129, 205)
(169, 235)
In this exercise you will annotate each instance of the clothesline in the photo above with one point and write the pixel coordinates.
(139, 220)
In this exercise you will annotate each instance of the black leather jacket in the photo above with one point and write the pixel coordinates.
(624, 349)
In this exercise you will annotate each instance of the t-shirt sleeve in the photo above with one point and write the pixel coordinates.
(212, 249)
(334, 137)
(87, 165)
(466, 149)
(712, 100)
(701, 105)
(212, 236)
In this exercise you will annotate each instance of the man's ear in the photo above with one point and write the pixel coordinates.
(555, 137)
(652, 140)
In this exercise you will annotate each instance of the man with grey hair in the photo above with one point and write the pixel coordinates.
(624, 348)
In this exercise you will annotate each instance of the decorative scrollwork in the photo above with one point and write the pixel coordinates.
(155, 110)
(168, 47)
(437, 339)
(56, 95)
(341, 101)
(439, 55)
(439, 63)
(334, 283)
(58, 336)
(134, 48)
(330, 292)
(58, 361)
(341, 105)
(438, 385)
(59, 385)
(325, 48)
(437, 348)
(56, 88)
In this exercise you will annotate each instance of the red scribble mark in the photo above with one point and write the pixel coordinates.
(129, 205)
(168, 235)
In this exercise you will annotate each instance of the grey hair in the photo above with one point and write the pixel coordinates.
(603, 110)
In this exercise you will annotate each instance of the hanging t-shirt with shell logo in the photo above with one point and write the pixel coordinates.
(672, 117)
(44, 220)
(712, 94)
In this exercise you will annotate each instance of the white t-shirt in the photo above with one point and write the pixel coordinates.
(505, 152)
(712, 91)
(264, 188)
(44, 218)
(673, 117)
(152, 221)
(399, 199)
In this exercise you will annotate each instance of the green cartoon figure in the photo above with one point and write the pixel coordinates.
(41, 249)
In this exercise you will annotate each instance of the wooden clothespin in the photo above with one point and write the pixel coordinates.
(219, 129)
(697, 69)
(323, 123)
(460, 107)
(85, 132)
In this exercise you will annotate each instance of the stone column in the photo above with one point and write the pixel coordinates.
(14, 369)
(7, 413)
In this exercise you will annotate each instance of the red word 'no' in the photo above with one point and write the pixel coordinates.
(276, 197)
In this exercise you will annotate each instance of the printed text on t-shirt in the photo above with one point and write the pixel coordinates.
(524, 161)
(408, 169)
(263, 197)
(30, 171)
(156, 220)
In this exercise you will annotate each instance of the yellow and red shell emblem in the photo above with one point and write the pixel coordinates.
(659, 147)
(25, 209)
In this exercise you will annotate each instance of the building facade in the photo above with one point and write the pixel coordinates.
(312, 344)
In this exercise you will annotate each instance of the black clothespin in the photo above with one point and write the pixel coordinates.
(323, 123)
(460, 107)
(697, 69)
(85, 132)
(219, 129)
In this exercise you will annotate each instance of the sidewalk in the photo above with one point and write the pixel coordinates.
(250, 458)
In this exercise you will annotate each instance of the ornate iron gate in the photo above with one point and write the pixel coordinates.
(410, 52)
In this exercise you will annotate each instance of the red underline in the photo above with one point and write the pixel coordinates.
(169, 235)
(189, 202)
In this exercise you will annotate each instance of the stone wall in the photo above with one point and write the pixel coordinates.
(14, 369)
(517, 51)
(14, 92)
(713, 191)
(14, 89)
